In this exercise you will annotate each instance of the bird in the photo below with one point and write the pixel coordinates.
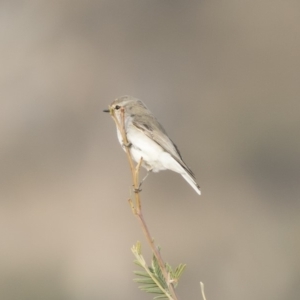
(148, 139)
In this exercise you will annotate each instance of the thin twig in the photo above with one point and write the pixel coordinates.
(202, 290)
(137, 209)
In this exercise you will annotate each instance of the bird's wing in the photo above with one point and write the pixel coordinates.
(154, 130)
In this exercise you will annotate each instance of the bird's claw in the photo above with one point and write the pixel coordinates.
(127, 145)
(138, 190)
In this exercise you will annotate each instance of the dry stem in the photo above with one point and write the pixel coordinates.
(137, 209)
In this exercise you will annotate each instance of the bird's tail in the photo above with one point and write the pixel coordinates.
(191, 182)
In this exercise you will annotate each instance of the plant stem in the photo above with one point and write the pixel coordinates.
(137, 208)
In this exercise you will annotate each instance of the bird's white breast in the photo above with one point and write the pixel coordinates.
(143, 146)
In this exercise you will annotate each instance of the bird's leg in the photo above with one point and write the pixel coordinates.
(141, 182)
(148, 172)
(127, 145)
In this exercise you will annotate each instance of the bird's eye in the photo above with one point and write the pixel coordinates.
(117, 107)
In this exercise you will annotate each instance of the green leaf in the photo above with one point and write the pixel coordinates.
(179, 270)
(141, 273)
(160, 297)
(154, 290)
(138, 263)
(144, 280)
(151, 278)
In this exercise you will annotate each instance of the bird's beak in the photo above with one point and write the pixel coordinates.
(107, 110)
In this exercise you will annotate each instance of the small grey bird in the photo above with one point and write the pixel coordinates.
(148, 139)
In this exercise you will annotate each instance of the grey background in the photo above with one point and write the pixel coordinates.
(223, 79)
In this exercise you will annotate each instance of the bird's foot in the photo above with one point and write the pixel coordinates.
(127, 145)
(138, 190)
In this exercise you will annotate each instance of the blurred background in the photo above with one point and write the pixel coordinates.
(223, 79)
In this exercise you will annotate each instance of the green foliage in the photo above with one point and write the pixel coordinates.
(151, 278)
